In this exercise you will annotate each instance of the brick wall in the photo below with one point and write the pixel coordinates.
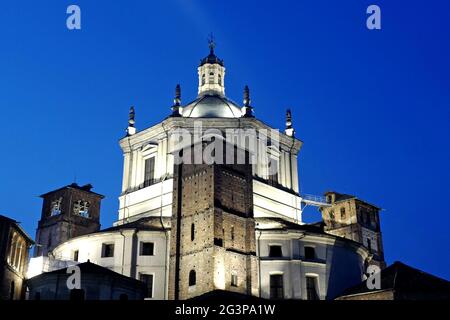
(217, 200)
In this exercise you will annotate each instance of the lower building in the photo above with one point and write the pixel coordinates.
(138, 250)
(293, 261)
(14, 247)
(96, 283)
(401, 282)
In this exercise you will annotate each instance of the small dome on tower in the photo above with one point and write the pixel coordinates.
(211, 58)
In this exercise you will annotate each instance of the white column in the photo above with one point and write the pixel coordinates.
(164, 157)
(287, 164)
(159, 160)
(294, 173)
(127, 247)
(282, 172)
(126, 172)
(137, 168)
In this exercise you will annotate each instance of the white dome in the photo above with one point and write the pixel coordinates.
(212, 106)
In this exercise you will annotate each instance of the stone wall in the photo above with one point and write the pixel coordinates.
(212, 230)
(56, 229)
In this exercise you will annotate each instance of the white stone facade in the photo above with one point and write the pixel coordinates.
(147, 193)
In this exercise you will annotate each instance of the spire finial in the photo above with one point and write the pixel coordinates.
(131, 116)
(176, 102)
(247, 103)
(211, 43)
(289, 130)
(131, 122)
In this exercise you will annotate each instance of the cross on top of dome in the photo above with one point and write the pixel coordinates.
(211, 58)
(211, 43)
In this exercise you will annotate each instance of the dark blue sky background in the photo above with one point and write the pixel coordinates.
(372, 107)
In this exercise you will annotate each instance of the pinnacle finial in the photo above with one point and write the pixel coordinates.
(247, 103)
(246, 96)
(176, 102)
(131, 122)
(211, 43)
(289, 130)
(131, 116)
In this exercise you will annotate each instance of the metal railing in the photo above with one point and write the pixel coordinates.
(314, 198)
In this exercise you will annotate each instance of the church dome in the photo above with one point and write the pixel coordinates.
(212, 106)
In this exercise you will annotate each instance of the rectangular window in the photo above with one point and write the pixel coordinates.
(311, 292)
(148, 280)
(234, 280)
(310, 253)
(343, 214)
(75, 255)
(275, 251)
(149, 175)
(107, 250)
(276, 286)
(147, 249)
(273, 172)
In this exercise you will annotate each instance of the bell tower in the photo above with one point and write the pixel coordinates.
(357, 220)
(68, 212)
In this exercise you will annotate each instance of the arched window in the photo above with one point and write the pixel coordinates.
(232, 233)
(220, 79)
(211, 77)
(192, 232)
(192, 278)
(203, 79)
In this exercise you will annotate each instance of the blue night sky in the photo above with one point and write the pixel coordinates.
(372, 107)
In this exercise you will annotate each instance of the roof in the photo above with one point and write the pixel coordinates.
(148, 223)
(401, 277)
(282, 224)
(316, 228)
(211, 58)
(18, 227)
(343, 197)
(90, 268)
(143, 224)
(85, 188)
(212, 106)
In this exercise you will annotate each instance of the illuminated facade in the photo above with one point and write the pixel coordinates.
(14, 246)
(188, 229)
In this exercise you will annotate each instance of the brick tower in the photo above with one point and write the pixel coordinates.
(68, 212)
(213, 231)
(357, 220)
